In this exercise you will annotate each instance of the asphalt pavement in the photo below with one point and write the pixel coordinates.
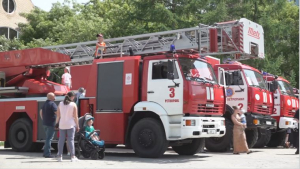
(125, 158)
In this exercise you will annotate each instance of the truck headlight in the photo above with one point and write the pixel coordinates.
(222, 122)
(190, 122)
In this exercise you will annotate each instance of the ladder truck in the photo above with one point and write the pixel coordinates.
(285, 106)
(246, 89)
(153, 90)
(22, 94)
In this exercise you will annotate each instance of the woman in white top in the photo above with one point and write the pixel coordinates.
(68, 122)
(66, 78)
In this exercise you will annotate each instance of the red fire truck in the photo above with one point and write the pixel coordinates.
(248, 91)
(22, 93)
(149, 91)
(285, 105)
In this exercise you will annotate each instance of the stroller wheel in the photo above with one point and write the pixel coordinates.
(101, 154)
(94, 155)
(85, 154)
(77, 152)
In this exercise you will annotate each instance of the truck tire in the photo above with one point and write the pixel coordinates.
(190, 149)
(148, 138)
(20, 135)
(277, 139)
(251, 136)
(221, 144)
(264, 137)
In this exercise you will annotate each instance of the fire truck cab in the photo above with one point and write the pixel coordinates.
(246, 89)
(285, 106)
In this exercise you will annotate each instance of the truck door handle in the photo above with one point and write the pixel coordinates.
(241, 90)
(150, 92)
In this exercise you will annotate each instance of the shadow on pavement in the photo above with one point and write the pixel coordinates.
(32, 157)
(38, 161)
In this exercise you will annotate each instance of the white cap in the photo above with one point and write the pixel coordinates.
(243, 110)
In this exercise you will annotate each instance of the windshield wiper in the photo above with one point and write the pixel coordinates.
(257, 86)
(200, 78)
(284, 92)
(209, 81)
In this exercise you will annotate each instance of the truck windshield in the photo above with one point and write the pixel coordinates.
(255, 79)
(196, 70)
(285, 88)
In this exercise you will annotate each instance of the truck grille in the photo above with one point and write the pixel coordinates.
(291, 114)
(202, 108)
(197, 108)
(262, 109)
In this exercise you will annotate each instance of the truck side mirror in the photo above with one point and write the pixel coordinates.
(228, 78)
(171, 69)
(273, 86)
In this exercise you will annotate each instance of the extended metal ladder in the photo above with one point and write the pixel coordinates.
(227, 38)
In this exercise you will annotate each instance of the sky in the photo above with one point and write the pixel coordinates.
(47, 4)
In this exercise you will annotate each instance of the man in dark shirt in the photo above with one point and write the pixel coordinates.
(48, 115)
(296, 134)
(78, 95)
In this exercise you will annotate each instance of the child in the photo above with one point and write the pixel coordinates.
(243, 118)
(94, 137)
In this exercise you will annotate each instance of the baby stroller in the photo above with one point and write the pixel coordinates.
(84, 146)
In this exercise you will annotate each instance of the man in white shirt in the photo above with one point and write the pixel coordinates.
(66, 78)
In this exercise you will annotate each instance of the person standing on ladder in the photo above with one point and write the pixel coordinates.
(100, 46)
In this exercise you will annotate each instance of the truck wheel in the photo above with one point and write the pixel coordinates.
(221, 144)
(251, 136)
(192, 148)
(148, 138)
(277, 139)
(20, 135)
(264, 137)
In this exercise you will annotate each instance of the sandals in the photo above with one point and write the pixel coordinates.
(287, 145)
(249, 152)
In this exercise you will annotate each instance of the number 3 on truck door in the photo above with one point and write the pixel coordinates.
(172, 94)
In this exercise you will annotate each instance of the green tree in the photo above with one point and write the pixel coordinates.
(116, 18)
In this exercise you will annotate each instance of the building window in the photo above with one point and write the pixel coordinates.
(8, 5)
(8, 33)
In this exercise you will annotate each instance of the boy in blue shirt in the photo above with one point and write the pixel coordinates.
(89, 128)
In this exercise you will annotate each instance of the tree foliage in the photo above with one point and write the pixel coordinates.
(116, 18)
